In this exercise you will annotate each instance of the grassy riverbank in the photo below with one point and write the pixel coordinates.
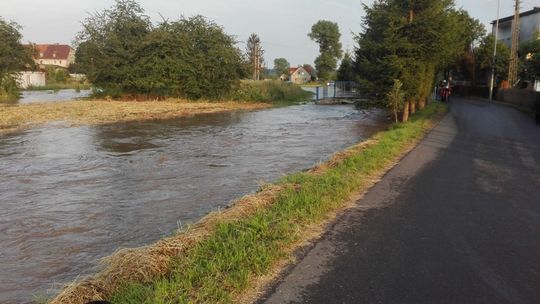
(92, 112)
(229, 255)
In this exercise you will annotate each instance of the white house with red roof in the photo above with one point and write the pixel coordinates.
(299, 75)
(58, 55)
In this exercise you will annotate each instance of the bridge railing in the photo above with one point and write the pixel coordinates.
(337, 89)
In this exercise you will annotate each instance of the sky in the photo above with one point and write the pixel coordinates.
(282, 25)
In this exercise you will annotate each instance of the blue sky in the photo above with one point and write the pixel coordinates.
(282, 24)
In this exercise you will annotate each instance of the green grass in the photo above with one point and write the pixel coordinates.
(270, 91)
(223, 265)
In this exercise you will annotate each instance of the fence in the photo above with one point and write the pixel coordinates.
(338, 89)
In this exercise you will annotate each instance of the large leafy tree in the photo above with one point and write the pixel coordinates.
(530, 60)
(112, 41)
(124, 53)
(254, 54)
(14, 57)
(327, 35)
(191, 57)
(408, 40)
(281, 65)
(484, 57)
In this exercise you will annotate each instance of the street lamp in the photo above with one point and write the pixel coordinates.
(494, 52)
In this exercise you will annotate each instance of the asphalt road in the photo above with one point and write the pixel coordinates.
(457, 221)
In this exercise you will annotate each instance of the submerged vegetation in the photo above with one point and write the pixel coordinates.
(102, 111)
(218, 259)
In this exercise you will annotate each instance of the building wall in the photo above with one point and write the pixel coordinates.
(529, 26)
(27, 79)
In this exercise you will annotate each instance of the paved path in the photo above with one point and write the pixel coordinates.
(457, 221)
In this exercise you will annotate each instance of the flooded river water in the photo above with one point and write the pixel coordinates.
(69, 196)
(28, 97)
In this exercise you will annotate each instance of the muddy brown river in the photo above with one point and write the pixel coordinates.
(69, 196)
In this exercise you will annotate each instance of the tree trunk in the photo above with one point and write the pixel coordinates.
(421, 104)
(412, 107)
(405, 113)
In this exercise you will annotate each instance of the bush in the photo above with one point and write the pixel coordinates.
(270, 91)
(121, 50)
(9, 88)
(56, 75)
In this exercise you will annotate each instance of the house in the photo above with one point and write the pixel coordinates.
(57, 55)
(299, 75)
(529, 25)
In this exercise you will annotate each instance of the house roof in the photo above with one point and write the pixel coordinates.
(511, 18)
(53, 51)
(292, 70)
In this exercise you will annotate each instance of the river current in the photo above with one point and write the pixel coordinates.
(70, 196)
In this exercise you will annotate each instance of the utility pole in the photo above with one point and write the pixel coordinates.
(257, 51)
(513, 69)
(494, 62)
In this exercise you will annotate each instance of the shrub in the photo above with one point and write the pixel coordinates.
(270, 91)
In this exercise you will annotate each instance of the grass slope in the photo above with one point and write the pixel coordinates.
(220, 267)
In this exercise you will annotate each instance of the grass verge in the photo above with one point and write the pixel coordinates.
(93, 112)
(221, 258)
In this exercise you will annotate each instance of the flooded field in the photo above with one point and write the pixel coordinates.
(69, 196)
(28, 97)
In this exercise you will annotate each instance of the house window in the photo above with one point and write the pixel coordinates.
(41, 55)
(60, 62)
(41, 62)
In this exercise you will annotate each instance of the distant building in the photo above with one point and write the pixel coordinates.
(58, 55)
(299, 75)
(30, 79)
(529, 27)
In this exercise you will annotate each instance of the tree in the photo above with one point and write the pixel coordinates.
(191, 57)
(113, 38)
(123, 53)
(254, 53)
(530, 60)
(281, 65)
(484, 57)
(395, 98)
(346, 69)
(311, 70)
(410, 41)
(327, 35)
(14, 57)
(465, 65)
